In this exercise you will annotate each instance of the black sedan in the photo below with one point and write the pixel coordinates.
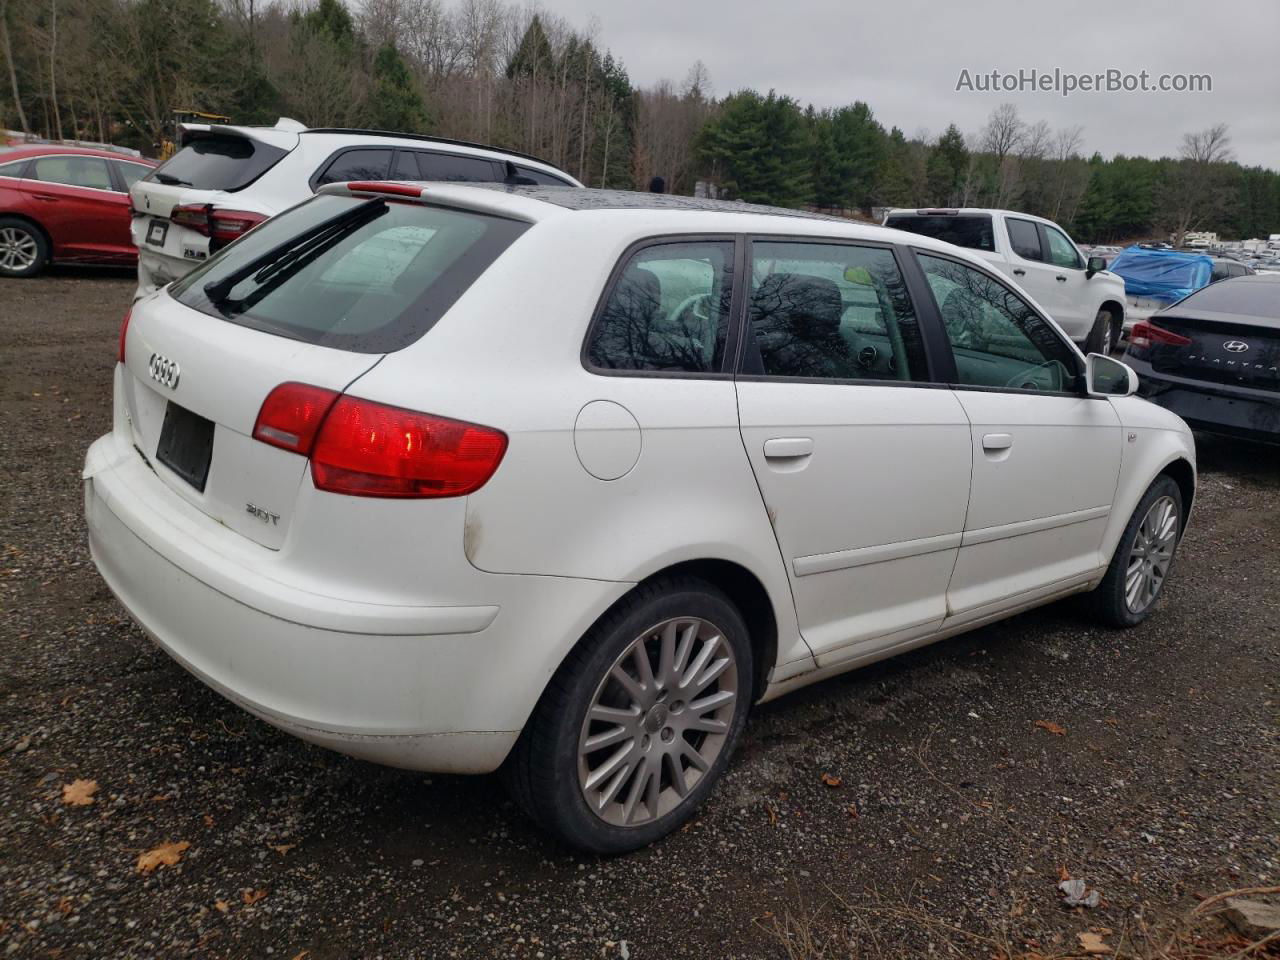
(1213, 358)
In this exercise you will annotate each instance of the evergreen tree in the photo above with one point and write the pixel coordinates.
(395, 103)
(759, 147)
(948, 161)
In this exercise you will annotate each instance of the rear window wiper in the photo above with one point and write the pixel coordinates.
(292, 252)
(171, 180)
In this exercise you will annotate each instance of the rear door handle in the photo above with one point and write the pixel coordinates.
(1019, 272)
(788, 448)
(997, 441)
(45, 196)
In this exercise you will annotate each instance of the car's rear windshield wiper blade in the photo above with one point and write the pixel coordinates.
(171, 180)
(337, 225)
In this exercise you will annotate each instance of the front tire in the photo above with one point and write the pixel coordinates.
(23, 248)
(1102, 338)
(1141, 563)
(638, 724)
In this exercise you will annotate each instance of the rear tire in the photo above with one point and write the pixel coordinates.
(1140, 566)
(23, 248)
(621, 751)
(1102, 338)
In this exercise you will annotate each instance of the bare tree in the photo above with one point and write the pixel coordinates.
(7, 48)
(1198, 186)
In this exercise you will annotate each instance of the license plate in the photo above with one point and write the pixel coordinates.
(157, 230)
(186, 444)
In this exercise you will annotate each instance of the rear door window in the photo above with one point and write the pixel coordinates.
(13, 168)
(130, 173)
(218, 163)
(1024, 237)
(360, 164)
(831, 311)
(73, 171)
(371, 285)
(964, 230)
(455, 167)
(668, 310)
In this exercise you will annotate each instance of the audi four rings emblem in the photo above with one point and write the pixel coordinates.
(164, 371)
(1235, 346)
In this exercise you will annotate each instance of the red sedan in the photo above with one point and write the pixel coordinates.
(69, 204)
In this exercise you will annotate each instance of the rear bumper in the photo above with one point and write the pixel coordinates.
(156, 270)
(1212, 408)
(440, 687)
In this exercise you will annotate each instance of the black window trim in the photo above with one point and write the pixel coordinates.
(731, 333)
(931, 333)
(1080, 392)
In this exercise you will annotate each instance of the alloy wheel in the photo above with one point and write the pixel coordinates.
(657, 721)
(18, 249)
(1151, 554)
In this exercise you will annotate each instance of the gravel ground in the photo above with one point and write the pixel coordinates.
(953, 806)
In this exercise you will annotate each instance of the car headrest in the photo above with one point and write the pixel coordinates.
(639, 294)
(811, 305)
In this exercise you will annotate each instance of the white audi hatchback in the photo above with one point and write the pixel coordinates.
(563, 481)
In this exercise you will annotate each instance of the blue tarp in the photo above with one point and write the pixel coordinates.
(1161, 274)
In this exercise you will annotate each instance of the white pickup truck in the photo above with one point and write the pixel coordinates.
(1084, 299)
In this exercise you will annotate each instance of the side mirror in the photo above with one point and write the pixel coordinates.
(1105, 377)
(1095, 265)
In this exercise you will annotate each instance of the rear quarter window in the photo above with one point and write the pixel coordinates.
(218, 163)
(967, 230)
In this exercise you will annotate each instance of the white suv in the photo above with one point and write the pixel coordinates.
(226, 180)
(563, 481)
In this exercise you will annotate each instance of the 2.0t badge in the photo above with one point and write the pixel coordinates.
(164, 371)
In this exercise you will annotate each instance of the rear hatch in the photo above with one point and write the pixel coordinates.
(188, 206)
(317, 296)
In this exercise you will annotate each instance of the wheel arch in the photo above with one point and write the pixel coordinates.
(1184, 475)
(1115, 308)
(33, 222)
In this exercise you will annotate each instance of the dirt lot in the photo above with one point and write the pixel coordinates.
(970, 773)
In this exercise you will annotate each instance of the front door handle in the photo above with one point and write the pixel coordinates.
(787, 448)
(1019, 272)
(1061, 278)
(997, 441)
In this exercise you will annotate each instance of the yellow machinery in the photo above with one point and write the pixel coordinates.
(173, 135)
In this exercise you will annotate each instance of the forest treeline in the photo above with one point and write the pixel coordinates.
(494, 72)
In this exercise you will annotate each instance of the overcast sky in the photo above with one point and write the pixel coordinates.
(904, 57)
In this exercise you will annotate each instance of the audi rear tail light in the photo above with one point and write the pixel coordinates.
(1144, 335)
(366, 449)
(291, 416)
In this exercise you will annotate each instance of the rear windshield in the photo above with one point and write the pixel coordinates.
(970, 230)
(218, 163)
(1250, 298)
(371, 285)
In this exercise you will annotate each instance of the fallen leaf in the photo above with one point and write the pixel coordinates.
(852, 810)
(1091, 943)
(221, 906)
(831, 780)
(250, 897)
(208, 821)
(65, 905)
(79, 793)
(303, 955)
(1056, 729)
(773, 816)
(282, 848)
(1064, 874)
(165, 855)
